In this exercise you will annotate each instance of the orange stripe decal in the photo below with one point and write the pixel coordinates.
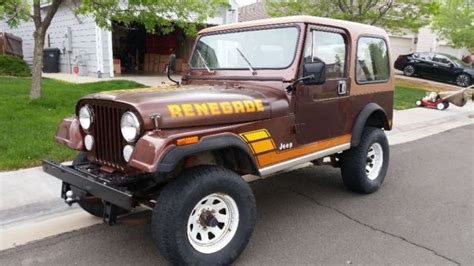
(262, 146)
(274, 157)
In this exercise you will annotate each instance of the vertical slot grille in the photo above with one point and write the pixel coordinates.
(106, 132)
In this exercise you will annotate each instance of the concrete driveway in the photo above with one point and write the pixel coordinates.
(422, 215)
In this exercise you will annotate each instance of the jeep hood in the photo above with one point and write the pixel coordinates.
(193, 105)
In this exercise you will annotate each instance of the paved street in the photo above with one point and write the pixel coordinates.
(422, 214)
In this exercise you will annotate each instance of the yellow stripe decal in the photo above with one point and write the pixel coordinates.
(255, 135)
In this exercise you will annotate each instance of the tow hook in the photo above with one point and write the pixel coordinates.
(71, 198)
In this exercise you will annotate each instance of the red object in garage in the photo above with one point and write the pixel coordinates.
(161, 44)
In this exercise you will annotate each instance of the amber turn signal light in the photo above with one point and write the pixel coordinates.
(187, 140)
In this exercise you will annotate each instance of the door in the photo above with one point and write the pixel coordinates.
(443, 68)
(424, 64)
(320, 110)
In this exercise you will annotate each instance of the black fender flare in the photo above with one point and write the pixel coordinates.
(361, 120)
(208, 143)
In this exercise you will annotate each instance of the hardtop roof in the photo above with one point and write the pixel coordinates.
(352, 27)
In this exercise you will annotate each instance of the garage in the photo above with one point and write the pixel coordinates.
(140, 53)
(401, 46)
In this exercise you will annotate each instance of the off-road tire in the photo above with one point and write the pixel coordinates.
(169, 224)
(354, 161)
(463, 80)
(92, 205)
(409, 70)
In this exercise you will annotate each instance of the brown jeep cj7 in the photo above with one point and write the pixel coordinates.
(259, 97)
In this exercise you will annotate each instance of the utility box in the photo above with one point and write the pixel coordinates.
(51, 60)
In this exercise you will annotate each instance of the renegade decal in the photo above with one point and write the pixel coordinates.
(215, 108)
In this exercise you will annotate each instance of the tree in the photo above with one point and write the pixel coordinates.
(151, 13)
(455, 23)
(15, 11)
(393, 15)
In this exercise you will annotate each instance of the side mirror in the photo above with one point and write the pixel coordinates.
(315, 73)
(172, 64)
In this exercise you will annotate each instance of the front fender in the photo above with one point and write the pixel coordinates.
(69, 133)
(155, 154)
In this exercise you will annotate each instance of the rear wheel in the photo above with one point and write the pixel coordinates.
(440, 106)
(409, 70)
(204, 217)
(364, 167)
(463, 80)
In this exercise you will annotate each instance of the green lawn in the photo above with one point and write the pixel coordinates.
(405, 97)
(27, 128)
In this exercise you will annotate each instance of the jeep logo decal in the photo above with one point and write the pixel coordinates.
(215, 108)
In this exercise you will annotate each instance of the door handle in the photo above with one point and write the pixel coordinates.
(341, 87)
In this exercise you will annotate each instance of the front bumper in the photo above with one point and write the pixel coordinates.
(90, 183)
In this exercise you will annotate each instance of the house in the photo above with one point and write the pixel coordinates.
(407, 42)
(90, 50)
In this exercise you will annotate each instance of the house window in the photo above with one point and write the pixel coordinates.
(372, 60)
(327, 47)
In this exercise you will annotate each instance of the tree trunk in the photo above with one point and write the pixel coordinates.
(35, 92)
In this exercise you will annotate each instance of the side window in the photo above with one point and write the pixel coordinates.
(426, 56)
(327, 47)
(441, 59)
(372, 60)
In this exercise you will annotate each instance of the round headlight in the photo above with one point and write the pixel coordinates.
(127, 152)
(85, 117)
(130, 126)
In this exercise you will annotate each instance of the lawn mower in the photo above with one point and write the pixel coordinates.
(442, 99)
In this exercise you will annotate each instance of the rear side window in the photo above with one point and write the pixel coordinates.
(372, 60)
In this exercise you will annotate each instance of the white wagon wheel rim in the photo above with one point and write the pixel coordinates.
(374, 161)
(212, 223)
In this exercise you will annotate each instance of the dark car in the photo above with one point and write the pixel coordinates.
(437, 66)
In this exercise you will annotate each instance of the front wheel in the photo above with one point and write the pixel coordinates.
(364, 167)
(206, 216)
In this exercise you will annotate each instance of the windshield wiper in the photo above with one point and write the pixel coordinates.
(204, 62)
(247, 61)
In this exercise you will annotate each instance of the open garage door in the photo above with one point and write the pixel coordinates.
(400, 46)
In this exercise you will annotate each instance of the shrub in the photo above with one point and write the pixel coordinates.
(14, 66)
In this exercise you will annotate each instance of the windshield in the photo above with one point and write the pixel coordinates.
(256, 49)
(456, 61)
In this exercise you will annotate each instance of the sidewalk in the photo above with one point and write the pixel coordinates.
(30, 195)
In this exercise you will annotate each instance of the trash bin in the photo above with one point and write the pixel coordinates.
(51, 60)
